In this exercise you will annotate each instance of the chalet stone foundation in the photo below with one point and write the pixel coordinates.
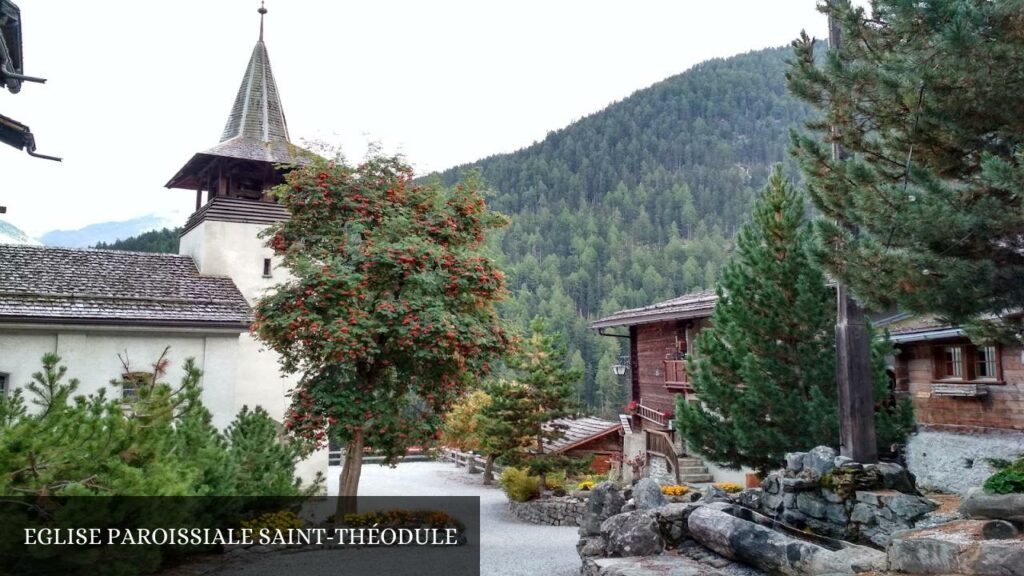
(954, 462)
(558, 511)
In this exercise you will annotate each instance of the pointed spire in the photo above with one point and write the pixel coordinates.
(257, 112)
(262, 11)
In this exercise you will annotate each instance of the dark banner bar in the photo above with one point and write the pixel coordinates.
(179, 536)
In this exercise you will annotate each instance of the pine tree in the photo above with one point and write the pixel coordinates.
(500, 438)
(894, 416)
(925, 97)
(549, 382)
(764, 371)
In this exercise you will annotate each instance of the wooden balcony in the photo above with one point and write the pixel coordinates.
(676, 377)
(652, 415)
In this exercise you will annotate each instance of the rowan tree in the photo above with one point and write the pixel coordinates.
(389, 312)
(925, 98)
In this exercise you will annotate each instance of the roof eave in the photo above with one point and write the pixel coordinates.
(240, 326)
(612, 322)
(592, 437)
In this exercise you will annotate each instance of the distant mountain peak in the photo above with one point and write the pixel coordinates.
(11, 234)
(107, 231)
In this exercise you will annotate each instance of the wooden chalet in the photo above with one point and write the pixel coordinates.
(589, 437)
(957, 384)
(660, 335)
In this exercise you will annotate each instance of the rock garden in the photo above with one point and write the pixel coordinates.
(822, 514)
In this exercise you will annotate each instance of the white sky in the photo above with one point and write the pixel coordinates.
(136, 87)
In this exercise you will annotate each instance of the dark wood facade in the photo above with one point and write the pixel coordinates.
(658, 354)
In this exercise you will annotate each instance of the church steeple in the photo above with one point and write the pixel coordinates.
(255, 139)
(257, 112)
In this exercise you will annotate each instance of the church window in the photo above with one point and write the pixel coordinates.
(4, 379)
(266, 268)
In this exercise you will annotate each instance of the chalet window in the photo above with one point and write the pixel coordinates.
(952, 362)
(985, 363)
(266, 267)
(966, 363)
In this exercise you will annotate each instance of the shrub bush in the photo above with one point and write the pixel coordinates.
(1009, 479)
(518, 485)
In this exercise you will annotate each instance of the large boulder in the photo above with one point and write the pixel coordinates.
(672, 521)
(604, 502)
(647, 495)
(772, 551)
(956, 548)
(978, 504)
(632, 534)
(820, 461)
(895, 477)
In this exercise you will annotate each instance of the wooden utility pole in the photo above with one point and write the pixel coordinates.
(853, 346)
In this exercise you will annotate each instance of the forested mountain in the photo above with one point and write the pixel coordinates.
(638, 202)
(163, 240)
(631, 205)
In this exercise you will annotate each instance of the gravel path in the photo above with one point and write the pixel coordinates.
(508, 547)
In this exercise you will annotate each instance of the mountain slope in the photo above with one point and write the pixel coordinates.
(11, 234)
(106, 231)
(638, 202)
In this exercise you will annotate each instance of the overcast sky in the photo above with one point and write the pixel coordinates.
(136, 87)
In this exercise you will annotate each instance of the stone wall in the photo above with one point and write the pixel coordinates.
(839, 498)
(955, 462)
(563, 511)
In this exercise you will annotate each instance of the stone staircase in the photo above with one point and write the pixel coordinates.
(693, 471)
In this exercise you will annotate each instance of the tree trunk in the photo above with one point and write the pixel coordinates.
(348, 483)
(543, 476)
(489, 470)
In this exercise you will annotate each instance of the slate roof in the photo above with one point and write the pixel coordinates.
(41, 284)
(580, 430)
(694, 305)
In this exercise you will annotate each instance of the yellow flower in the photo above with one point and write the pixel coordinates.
(674, 490)
(730, 487)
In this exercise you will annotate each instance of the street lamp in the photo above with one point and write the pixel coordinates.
(620, 367)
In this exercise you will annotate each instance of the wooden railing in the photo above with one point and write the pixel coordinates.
(676, 376)
(653, 415)
(660, 444)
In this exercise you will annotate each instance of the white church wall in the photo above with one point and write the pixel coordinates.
(91, 356)
(234, 249)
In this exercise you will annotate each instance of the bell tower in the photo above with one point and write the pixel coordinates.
(232, 179)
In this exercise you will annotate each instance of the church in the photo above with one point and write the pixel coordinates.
(107, 312)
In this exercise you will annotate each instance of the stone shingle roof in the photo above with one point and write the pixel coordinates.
(695, 305)
(579, 430)
(257, 112)
(40, 284)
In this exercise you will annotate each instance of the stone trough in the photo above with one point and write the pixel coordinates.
(755, 540)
